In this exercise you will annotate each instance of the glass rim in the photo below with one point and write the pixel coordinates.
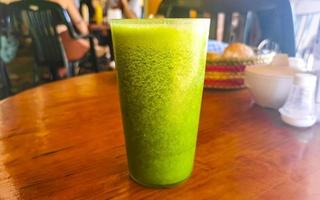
(160, 21)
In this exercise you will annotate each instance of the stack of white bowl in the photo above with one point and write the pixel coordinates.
(269, 84)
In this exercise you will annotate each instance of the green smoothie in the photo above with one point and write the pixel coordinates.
(160, 64)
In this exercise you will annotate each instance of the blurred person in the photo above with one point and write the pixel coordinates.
(77, 3)
(76, 48)
(7, 1)
(130, 9)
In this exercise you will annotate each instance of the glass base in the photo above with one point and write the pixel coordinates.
(158, 186)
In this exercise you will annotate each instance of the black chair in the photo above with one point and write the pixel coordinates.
(274, 16)
(4, 21)
(42, 18)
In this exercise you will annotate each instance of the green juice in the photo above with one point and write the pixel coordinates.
(160, 65)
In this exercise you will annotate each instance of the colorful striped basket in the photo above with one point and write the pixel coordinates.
(223, 73)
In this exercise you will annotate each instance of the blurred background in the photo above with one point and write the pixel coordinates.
(292, 27)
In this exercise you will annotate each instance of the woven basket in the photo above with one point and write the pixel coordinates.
(223, 73)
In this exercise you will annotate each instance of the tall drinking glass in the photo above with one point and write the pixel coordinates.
(160, 66)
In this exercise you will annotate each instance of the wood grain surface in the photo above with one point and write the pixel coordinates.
(64, 140)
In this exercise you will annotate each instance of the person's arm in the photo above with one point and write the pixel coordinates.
(77, 19)
(135, 7)
(127, 12)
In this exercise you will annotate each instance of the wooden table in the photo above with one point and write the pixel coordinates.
(64, 140)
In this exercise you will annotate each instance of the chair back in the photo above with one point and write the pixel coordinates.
(274, 17)
(42, 19)
(275, 20)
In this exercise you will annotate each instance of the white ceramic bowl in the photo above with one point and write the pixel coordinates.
(269, 85)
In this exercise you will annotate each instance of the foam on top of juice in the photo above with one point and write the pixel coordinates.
(198, 26)
(160, 21)
(170, 33)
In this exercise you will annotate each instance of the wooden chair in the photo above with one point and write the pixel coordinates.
(42, 17)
